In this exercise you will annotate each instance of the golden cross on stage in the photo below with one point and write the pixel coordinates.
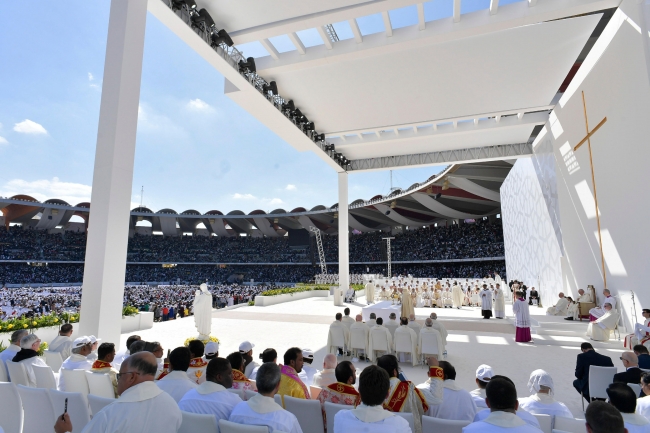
(593, 178)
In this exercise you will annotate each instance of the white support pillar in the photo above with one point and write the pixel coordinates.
(344, 240)
(105, 266)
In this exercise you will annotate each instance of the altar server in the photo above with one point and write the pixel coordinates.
(486, 302)
(522, 319)
(499, 303)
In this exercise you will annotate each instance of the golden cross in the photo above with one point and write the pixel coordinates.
(593, 178)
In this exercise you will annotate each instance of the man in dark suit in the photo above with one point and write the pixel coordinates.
(632, 373)
(642, 355)
(587, 358)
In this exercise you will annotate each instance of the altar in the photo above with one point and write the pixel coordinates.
(381, 309)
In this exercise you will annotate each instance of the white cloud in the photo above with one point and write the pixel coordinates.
(291, 187)
(44, 189)
(90, 77)
(238, 196)
(275, 201)
(3, 140)
(29, 127)
(199, 105)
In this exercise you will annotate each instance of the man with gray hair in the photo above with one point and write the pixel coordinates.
(392, 324)
(262, 409)
(28, 356)
(425, 333)
(326, 376)
(439, 327)
(141, 407)
(81, 348)
(14, 347)
(414, 325)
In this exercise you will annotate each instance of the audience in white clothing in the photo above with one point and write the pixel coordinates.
(326, 376)
(176, 383)
(28, 356)
(541, 402)
(14, 347)
(483, 375)
(623, 398)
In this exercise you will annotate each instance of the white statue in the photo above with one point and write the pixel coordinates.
(203, 312)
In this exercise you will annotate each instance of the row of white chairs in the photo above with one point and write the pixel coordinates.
(599, 380)
(558, 424)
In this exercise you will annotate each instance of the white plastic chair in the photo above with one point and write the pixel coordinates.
(358, 341)
(599, 380)
(331, 409)
(278, 399)
(408, 417)
(438, 425)
(44, 377)
(570, 425)
(3, 372)
(379, 342)
(308, 412)
(53, 359)
(314, 391)
(17, 373)
(545, 422)
(231, 427)
(337, 337)
(239, 392)
(75, 381)
(403, 345)
(38, 410)
(197, 422)
(99, 384)
(11, 408)
(636, 388)
(97, 403)
(249, 394)
(429, 345)
(77, 407)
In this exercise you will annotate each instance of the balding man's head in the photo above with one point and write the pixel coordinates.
(630, 359)
(581, 292)
(606, 292)
(433, 316)
(412, 317)
(358, 318)
(428, 323)
(137, 368)
(329, 361)
(561, 295)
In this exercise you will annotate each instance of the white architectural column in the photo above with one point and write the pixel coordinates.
(108, 229)
(344, 240)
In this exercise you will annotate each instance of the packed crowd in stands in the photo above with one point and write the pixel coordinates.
(58, 273)
(482, 239)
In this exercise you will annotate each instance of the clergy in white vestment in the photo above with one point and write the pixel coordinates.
(526, 416)
(203, 311)
(407, 303)
(428, 329)
(457, 295)
(408, 334)
(483, 375)
(486, 302)
(641, 332)
(601, 329)
(372, 321)
(122, 355)
(261, 409)
(541, 401)
(501, 398)
(522, 319)
(63, 342)
(370, 293)
(432, 389)
(359, 326)
(598, 312)
(426, 298)
(141, 408)
(439, 327)
(414, 325)
(28, 357)
(560, 308)
(457, 403)
(392, 324)
(623, 398)
(14, 347)
(326, 376)
(337, 327)
(212, 396)
(81, 348)
(347, 320)
(499, 303)
(176, 383)
(370, 416)
(379, 328)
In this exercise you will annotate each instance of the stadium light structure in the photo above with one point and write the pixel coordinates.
(221, 37)
(247, 66)
(270, 87)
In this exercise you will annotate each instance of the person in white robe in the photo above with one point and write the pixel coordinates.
(13, 348)
(573, 311)
(457, 295)
(212, 396)
(392, 324)
(141, 407)
(379, 328)
(624, 399)
(560, 308)
(527, 417)
(501, 398)
(176, 383)
(203, 312)
(601, 329)
(499, 303)
(347, 320)
(337, 327)
(308, 373)
(475, 298)
(326, 376)
(362, 328)
(426, 298)
(405, 333)
(28, 357)
(372, 321)
(447, 299)
(598, 312)
(457, 403)
(541, 402)
(483, 375)
(78, 359)
(439, 327)
(123, 354)
(428, 329)
(641, 332)
(63, 342)
(414, 325)
(486, 302)
(407, 303)
(384, 294)
(262, 410)
(370, 293)
(522, 319)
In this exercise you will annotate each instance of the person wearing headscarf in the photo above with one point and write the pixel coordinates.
(541, 401)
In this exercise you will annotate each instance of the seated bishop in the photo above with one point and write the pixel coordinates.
(601, 329)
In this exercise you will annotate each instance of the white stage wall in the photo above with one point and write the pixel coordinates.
(615, 81)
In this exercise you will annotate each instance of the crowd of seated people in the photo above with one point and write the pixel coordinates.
(479, 240)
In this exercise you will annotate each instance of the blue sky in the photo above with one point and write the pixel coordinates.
(196, 149)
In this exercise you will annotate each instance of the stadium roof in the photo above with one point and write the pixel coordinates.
(466, 191)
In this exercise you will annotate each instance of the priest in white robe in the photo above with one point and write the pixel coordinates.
(141, 407)
(560, 308)
(404, 334)
(457, 403)
(414, 325)
(370, 293)
(379, 329)
(499, 303)
(81, 348)
(359, 327)
(598, 312)
(13, 348)
(439, 327)
(457, 295)
(428, 329)
(483, 375)
(407, 303)
(486, 302)
(336, 328)
(176, 383)
(601, 329)
(392, 324)
(541, 401)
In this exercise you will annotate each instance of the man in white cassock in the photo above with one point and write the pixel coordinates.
(499, 303)
(560, 308)
(262, 410)
(203, 312)
(141, 408)
(81, 348)
(337, 327)
(439, 327)
(541, 402)
(392, 324)
(370, 293)
(486, 302)
(379, 329)
(457, 295)
(176, 383)
(573, 311)
(14, 347)
(405, 333)
(359, 327)
(212, 396)
(483, 375)
(428, 329)
(641, 332)
(501, 398)
(457, 403)
(601, 329)
(407, 303)
(598, 312)
(414, 325)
